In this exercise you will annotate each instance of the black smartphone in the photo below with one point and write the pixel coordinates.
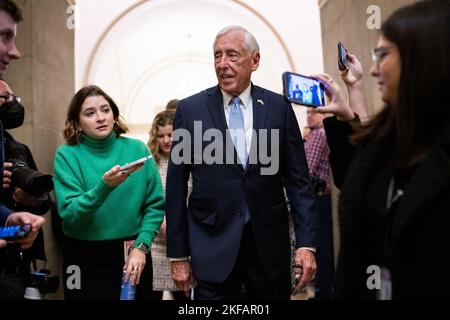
(14, 232)
(303, 90)
(342, 57)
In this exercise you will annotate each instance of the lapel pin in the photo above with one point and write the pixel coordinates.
(260, 102)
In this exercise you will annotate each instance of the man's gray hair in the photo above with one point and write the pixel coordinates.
(249, 40)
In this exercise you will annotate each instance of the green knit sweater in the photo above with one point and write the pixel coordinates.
(93, 211)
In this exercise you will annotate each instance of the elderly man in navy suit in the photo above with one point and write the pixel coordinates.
(242, 146)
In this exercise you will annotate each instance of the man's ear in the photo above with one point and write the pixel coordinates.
(255, 60)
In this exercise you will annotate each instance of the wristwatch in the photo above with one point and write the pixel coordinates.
(142, 247)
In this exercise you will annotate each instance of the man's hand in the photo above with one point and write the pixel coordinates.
(3, 243)
(181, 274)
(21, 218)
(305, 258)
(24, 198)
(7, 175)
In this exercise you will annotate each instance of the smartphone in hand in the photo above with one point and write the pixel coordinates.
(135, 163)
(342, 57)
(303, 90)
(11, 233)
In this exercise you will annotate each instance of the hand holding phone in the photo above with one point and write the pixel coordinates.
(135, 163)
(342, 57)
(303, 90)
(12, 233)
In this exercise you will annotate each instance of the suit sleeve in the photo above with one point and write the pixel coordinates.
(4, 213)
(177, 189)
(298, 185)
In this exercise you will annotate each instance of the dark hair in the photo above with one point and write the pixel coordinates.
(162, 119)
(72, 133)
(421, 33)
(12, 9)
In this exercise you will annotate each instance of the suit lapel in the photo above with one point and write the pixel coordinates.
(260, 105)
(216, 110)
(215, 106)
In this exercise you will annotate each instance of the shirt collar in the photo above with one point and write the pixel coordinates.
(245, 97)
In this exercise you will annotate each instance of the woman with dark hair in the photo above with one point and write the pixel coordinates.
(110, 216)
(395, 177)
(159, 143)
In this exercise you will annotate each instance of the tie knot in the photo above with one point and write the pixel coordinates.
(235, 101)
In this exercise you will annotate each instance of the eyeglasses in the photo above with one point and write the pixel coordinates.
(378, 54)
(10, 98)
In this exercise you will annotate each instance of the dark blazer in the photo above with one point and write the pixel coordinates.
(209, 229)
(420, 243)
(4, 213)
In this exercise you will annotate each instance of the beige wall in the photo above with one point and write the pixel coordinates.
(44, 79)
(346, 21)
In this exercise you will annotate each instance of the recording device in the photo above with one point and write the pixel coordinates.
(134, 163)
(127, 291)
(11, 233)
(38, 284)
(342, 57)
(31, 181)
(303, 90)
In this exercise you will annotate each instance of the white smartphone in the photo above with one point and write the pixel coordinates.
(132, 164)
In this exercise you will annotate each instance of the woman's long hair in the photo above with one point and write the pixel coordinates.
(72, 132)
(421, 33)
(162, 119)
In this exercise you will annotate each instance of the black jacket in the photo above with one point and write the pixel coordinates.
(420, 243)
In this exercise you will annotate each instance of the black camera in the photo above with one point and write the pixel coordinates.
(31, 181)
(43, 281)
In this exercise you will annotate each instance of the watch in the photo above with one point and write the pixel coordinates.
(142, 247)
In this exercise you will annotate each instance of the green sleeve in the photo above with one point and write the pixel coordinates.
(75, 205)
(153, 207)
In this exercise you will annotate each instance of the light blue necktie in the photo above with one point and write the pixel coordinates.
(237, 129)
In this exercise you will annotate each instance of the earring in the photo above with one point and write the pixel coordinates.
(79, 133)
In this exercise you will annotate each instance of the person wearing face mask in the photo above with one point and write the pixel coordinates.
(10, 284)
(12, 115)
(393, 169)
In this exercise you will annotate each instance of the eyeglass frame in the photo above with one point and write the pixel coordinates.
(375, 54)
(8, 97)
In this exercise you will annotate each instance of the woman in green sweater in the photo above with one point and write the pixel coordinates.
(104, 209)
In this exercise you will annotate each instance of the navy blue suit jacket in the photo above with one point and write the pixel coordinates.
(209, 227)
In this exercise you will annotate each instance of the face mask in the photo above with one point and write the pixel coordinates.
(12, 114)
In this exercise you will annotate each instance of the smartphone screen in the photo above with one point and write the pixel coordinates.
(303, 90)
(14, 232)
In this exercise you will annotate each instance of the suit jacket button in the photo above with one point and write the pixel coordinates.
(240, 214)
